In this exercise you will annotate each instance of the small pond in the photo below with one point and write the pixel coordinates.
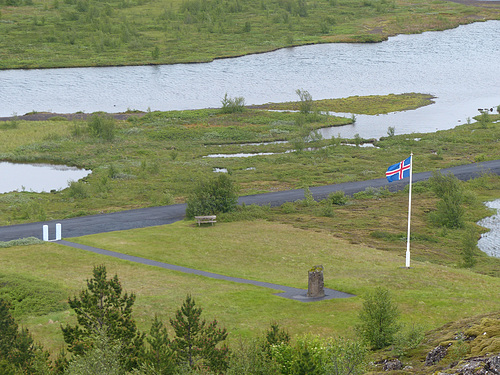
(37, 177)
(490, 241)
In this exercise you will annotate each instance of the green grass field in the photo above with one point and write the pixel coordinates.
(427, 294)
(55, 33)
(153, 159)
(156, 159)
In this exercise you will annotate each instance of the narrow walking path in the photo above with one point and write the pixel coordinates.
(151, 216)
(287, 292)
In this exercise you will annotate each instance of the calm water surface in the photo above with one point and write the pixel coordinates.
(490, 241)
(460, 67)
(37, 177)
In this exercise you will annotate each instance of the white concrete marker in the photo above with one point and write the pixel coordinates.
(58, 232)
(45, 232)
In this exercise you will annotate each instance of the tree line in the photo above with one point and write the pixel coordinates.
(106, 340)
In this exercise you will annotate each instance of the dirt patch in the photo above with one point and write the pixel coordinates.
(44, 116)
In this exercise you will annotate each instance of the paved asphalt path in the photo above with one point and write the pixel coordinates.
(287, 292)
(151, 216)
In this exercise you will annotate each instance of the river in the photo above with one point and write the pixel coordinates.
(37, 177)
(490, 241)
(459, 66)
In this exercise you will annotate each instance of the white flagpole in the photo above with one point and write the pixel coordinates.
(409, 215)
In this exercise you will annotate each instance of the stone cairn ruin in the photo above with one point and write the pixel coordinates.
(316, 284)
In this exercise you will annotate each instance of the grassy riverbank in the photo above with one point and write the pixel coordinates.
(69, 33)
(155, 159)
(279, 247)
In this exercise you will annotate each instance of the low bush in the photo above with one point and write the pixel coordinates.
(315, 355)
(21, 242)
(210, 197)
(232, 105)
(327, 211)
(378, 319)
(248, 358)
(78, 190)
(407, 338)
(30, 296)
(469, 247)
(288, 208)
(370, 193)
(247, 212)
(449, 210)
(338, 198)
(308, 200)
(102, 127)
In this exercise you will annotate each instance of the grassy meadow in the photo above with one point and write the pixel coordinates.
(69, 33)
(155, 158)
(428, 294)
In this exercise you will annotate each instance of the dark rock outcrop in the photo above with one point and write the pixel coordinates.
(435, 355)
(394, 364)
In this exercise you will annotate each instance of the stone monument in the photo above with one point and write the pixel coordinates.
(316, 283)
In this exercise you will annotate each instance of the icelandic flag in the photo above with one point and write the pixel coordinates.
(399, 170)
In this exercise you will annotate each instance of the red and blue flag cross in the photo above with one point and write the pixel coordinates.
(399, 170)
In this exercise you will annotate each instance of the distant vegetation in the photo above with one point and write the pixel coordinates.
(157, 158)
(62, 33)
(367, 105)
(392, 309)
(214, 196)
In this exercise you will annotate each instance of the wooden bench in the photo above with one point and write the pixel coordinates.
(205, 219)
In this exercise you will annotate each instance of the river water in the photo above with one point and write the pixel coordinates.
(459, 66)
(37, 177)
(490, 241)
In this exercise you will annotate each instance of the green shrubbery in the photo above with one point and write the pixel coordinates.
(407, 338)
(370, 193)
(314, 355)
(105, 340)
(213, 196)
(21, 242)
(102, 126)
(29, 296)
(338, 198)
(378, 319)
(469, 246)
(77, 190)
(306, 102)
(449, 210)
(247, 212)
(134, 32)
(232, 105)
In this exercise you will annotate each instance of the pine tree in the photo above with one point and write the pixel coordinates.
(196, 341)
(159, 355)
(102, 308)
(103, 358)
(8, 329)
(275, 335)
(305, 363)
(18, 350)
